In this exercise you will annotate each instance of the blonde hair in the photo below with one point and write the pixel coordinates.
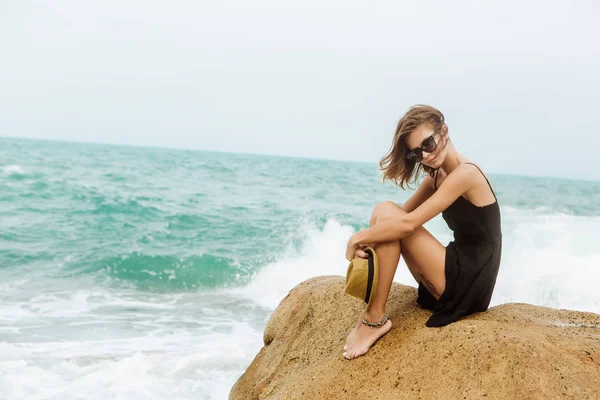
(395, 166)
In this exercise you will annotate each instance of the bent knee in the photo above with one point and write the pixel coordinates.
(385, 210)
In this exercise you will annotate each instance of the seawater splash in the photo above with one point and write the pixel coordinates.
(322, 253)
(550, 260)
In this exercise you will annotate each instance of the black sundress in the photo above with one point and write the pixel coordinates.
(472, 261)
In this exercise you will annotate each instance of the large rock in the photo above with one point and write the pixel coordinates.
(512, 351)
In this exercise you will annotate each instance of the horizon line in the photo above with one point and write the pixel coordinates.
(163, 147)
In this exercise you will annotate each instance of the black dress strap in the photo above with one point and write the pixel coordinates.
(435, 179)
(486, 179)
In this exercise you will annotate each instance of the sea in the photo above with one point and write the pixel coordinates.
(149, 273)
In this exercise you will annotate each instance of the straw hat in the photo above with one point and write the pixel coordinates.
(362, 277)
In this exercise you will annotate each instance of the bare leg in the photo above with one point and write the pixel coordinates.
(388, 255)
(362, 336)
(425, 258)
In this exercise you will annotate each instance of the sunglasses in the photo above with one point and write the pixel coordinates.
(427, 146)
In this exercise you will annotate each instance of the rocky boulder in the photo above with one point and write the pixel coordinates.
(512, 351)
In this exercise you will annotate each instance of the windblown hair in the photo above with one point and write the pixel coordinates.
(395, 166)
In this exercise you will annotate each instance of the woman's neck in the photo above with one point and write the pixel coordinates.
(453, 159)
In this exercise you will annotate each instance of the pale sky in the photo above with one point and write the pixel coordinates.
(517, 80)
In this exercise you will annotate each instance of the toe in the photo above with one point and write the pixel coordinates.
(345, 348)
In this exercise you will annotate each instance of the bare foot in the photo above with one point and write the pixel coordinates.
(352, 334)
(363, 337)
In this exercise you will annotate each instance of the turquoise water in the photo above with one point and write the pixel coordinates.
(161, 267)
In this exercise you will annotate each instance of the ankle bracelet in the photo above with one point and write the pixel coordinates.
(379, 324)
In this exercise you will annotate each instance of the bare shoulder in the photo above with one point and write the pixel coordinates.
(469, 169)
(475, 183)
(464, 172)
(475, 172)
(456, 184)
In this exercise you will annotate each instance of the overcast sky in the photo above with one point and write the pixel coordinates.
(517, 80)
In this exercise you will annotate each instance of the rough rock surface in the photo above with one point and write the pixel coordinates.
(512, 351)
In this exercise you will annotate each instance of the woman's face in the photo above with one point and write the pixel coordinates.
(423, 138)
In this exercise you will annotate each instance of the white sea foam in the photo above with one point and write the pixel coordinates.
(13, 169)
(177, 366)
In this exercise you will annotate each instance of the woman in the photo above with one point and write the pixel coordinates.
(455, 280)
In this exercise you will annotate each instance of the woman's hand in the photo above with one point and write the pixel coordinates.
(353, 250)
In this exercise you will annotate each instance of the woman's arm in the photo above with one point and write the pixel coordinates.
(456, 183)
(423, 192)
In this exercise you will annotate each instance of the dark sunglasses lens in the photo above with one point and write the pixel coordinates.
(429, 144)
(415, 156)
